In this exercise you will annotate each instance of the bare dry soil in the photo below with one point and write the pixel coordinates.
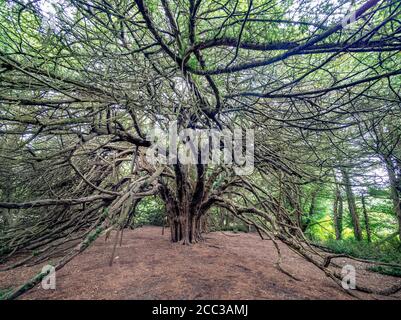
(225, 266)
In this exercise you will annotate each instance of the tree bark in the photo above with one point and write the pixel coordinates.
(365, 214)
(395, 191)
(312, 207)
(184, 205)
(294, 200)
(185, 227)
(338, 213)
(224, 216)
(351, 205)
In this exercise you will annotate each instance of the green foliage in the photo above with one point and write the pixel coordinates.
(4, 250)
(4, 292)
(235, 227)
(383, 206)
(150, 211)
(217, 222)
(382, 220)
(390, 271)
(388, 252)
(379, 192)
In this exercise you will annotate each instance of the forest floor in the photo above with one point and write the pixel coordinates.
(226, 266)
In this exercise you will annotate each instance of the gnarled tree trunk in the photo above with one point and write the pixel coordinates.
(186, 204)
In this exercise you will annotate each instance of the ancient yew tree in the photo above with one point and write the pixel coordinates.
(83, 84)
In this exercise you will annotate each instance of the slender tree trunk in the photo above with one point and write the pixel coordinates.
(204, 226)
(221, 222)
(352, 205)
(395, 192)
(293, 197)
(311, 211)
(164, 225)
(312, 207)
(338, 213)
(224, 218)
(365, 214)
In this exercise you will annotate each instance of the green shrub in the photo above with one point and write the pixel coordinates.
(390, 271)
(150, 211)
(388, 252)
(234, 228)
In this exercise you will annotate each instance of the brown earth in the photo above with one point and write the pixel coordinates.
(225, 266)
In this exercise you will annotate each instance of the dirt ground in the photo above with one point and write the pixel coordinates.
(225, 266)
